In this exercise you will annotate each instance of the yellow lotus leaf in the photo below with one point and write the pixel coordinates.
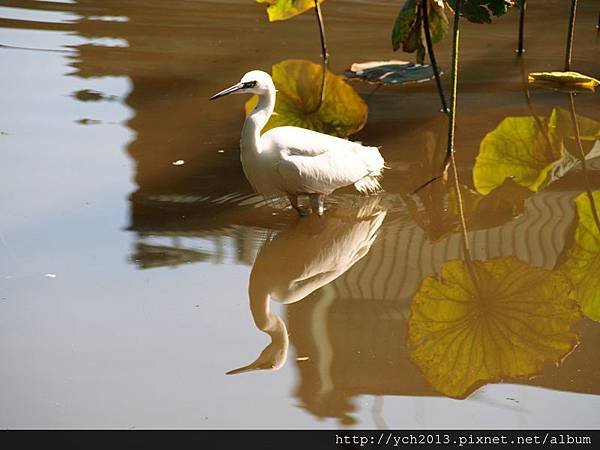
(561, 124)
(284, 9)
(341, 113)
(582, 265)
(463, 334)
(533, 151)
(516, 149)
(564, 81)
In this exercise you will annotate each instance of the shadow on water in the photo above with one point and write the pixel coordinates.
(363, 295)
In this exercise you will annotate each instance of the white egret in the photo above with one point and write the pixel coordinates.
(323, 250)
(294, 161)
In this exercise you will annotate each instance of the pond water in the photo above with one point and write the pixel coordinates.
(130, 285)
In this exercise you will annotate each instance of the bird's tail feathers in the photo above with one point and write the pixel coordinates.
(368, 185)
(373, 160)
(375, 164)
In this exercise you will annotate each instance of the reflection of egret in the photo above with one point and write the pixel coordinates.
(300, 260)
(295, 161)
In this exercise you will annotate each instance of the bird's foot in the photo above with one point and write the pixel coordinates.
(304, 211)
(317, 202)
(296, 205)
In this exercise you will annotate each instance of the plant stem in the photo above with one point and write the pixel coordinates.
(324, 53)
(450, 150)
(427, 183)
(583, 163)
(436, 70)
(542, 127)
(453, 86)
(451, 129)
(570, 35)
(520, 47)
(370, 94)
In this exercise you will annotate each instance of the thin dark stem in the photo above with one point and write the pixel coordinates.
(521, 45)
(570, 33)
(370, 94)
(583, 162)
(324, 53)
(427, 183)
(436, 70)
(323, 85)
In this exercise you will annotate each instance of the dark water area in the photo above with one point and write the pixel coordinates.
(138, 267)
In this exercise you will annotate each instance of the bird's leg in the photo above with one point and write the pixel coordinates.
(317, 203)
(294, 202)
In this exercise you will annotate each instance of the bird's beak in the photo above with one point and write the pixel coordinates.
(248, 368)
(229, 90)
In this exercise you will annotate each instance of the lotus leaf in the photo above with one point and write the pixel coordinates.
(285, 9)
(408, 27)
(582, 265)
(516, 317)
(516, 149)
(533, 151)
(390, 72)
(563, 81)
(341, 113)
(481, 11)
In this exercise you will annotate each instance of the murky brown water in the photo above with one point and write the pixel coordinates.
(130, 285)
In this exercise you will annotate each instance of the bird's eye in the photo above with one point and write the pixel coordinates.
(249, 84)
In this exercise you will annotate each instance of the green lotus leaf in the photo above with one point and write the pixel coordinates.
(405, 23)
(481, 11)
(582, 265)
(516, 319)
(285, 9)
(438, 21)
(533, 151)
(341, 113)
(563, 81)
(408, 27)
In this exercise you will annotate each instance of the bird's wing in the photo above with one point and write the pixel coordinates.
(321, 174)
(303, 142)
(313, 162)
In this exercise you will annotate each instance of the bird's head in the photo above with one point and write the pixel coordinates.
(254, 82)
(274, 355)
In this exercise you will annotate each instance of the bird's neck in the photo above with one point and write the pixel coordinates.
(255, 122)
(260, 307)
(274, 355)
(259, 295)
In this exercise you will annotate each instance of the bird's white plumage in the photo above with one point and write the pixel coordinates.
(295, 161)
(308, 162)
